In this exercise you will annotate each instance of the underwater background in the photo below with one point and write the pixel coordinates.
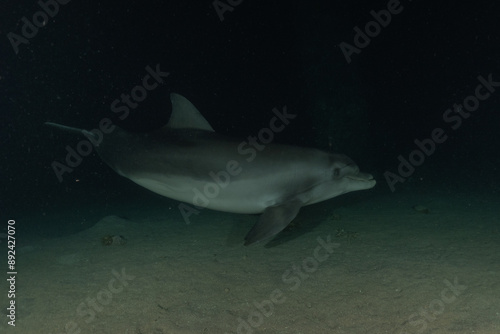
(410, 90)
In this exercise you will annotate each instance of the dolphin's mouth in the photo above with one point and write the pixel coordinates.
(361, 177)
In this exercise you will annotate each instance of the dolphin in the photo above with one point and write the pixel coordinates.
(188, 161)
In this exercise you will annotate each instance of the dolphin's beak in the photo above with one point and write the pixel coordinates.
(361, 177)
(361, 181)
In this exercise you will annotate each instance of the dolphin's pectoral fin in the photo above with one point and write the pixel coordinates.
(273, 220)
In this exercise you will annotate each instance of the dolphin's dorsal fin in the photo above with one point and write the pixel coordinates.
(185, 115)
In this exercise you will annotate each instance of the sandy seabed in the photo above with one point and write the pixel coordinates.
(368, 264)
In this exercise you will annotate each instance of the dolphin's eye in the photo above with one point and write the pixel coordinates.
(336, 172)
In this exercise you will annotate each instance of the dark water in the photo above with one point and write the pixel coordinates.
(409, 90)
